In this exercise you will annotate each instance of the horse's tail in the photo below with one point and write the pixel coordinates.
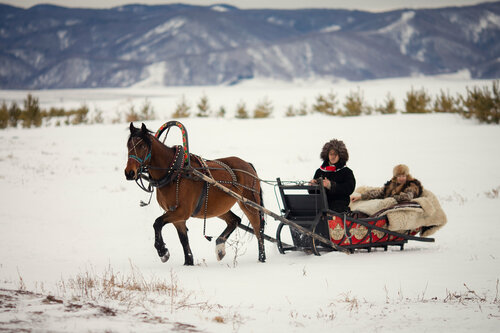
(261, 199)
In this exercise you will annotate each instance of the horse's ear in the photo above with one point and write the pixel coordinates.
(132, 128)
(143, 128)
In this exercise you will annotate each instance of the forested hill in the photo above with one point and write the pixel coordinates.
(55, 47)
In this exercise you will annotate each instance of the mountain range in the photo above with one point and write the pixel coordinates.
(47, 47)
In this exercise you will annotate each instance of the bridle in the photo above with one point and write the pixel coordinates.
(143, 171)
(137, 158)
(172, 172)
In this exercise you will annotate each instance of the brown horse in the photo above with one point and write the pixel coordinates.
(182, 195)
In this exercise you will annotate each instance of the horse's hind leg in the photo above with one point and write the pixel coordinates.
(183, 237)
(257, 223)
(232, 221)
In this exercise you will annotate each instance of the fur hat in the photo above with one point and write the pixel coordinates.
(401, 169)
(339, 148)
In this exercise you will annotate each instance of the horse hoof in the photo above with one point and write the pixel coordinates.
(165, 257)
(220, 251)
(188, 260)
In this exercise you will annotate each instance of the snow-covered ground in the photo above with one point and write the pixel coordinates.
(76, 250)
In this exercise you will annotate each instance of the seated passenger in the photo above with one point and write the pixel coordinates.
(402, 187)
(338, 179)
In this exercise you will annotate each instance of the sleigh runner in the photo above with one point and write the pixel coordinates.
(313, 227)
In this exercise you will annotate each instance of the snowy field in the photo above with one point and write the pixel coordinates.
(76, 250)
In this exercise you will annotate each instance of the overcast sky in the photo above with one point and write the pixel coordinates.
(369, 5)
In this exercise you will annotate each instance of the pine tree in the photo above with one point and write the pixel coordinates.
(80, 115)
(241, 111)
(4, 116)
(417, 101)
(203, 107)
(483, 104)
(14, 114)
(290, 111)
(263, 109)
(389, 107)
(302, 109)
(495, 111)
(444, 103)
(355, 105)
(131, 116)
(222, 112)
(97, 118)
(327, 105)
(182, 109)
(147, 111)
(32, 113)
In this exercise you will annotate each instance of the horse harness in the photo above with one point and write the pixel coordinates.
(178, 170)
(172, 172)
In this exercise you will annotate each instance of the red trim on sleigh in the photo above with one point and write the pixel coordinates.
(359, 234)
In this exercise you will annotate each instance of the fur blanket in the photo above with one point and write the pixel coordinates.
(430, 217)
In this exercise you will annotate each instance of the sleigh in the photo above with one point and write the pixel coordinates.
(313, 227)
(307, 206)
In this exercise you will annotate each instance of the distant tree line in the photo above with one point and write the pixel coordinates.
(32, 115)
(481, 103)
(263, 109)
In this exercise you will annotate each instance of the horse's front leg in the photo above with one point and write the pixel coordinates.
(159, 244)
(232, 221)
(183, 237)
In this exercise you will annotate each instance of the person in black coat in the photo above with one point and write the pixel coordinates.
(338, 179)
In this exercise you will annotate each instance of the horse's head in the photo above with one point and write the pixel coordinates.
(139, 151)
